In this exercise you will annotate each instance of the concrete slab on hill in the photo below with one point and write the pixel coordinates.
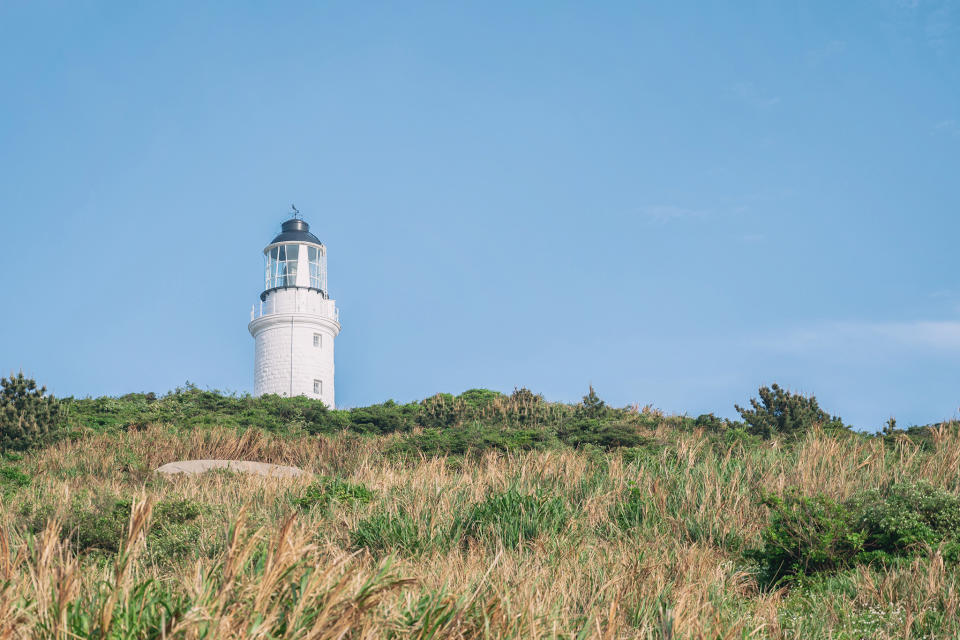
(192, 467)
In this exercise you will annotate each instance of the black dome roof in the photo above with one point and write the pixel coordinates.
(295, 230)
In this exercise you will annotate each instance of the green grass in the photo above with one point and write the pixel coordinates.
(324, 491)
(511, 518)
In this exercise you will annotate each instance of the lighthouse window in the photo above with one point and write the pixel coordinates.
(282, 266)
(316, 340)
(317, 387)
(318, 276)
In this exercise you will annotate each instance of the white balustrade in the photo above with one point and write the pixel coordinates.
(295, 301)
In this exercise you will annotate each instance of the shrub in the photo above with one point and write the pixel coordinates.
(739, 435)
(479, 398)
(522, 408)
(811, 534)
(780, 412)
(596, 424)
(388, 417)
(27, 416)
(904, 516)
(176, 511)
(173, 532)
(326, 490)
(441, 410)
(711, 423)
(526, 407)
(513, 518)
(99, 524)
(805, 534)
(12, 479)
(592, 406)
(474, 438)
(607, 435)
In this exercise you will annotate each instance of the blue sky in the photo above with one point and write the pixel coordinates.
(676, 202)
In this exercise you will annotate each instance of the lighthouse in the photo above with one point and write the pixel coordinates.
(295, 322)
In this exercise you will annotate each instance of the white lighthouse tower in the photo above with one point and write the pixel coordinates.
(296, 321)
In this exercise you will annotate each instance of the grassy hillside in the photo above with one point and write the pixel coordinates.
(481, 515)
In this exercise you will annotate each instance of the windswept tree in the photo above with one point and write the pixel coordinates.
(27, 415)
(780, 412)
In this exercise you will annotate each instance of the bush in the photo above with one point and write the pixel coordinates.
(524, 407)
(811, 534)
(513, 518)
(904, 516)
(647, 452)
(176, 511)
(326, 490)
(12, 479)
(521, 409)
(475, 438)
(607, 435)
(592, 406)
(805, 534)
(739, 435)
(711, 423)
(27, 416)
(388, 417)
(780, 412)
(99, 524)
(479, 398)
(596, 424)
(173, 532)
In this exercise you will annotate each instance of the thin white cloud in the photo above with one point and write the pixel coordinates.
(948, 127)
(878, 337)
(664, 213)
(932, 21)
(820, 55)
(749, 93)
(939, 28)
(934, 334)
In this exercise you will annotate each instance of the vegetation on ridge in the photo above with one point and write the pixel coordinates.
(475, 420)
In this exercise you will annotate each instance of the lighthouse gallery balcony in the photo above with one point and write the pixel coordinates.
(296, 300)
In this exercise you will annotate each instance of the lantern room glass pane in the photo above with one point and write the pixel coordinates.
(281, 269)
(316, 268)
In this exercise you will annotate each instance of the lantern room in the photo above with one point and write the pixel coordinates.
(295, 259)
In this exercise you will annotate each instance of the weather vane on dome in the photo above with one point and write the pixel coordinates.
(296, 212)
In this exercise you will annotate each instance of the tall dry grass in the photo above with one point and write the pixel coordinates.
(261, 568)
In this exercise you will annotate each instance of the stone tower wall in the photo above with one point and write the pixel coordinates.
(286, 360)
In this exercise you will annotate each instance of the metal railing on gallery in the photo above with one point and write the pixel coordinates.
(271, 307)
